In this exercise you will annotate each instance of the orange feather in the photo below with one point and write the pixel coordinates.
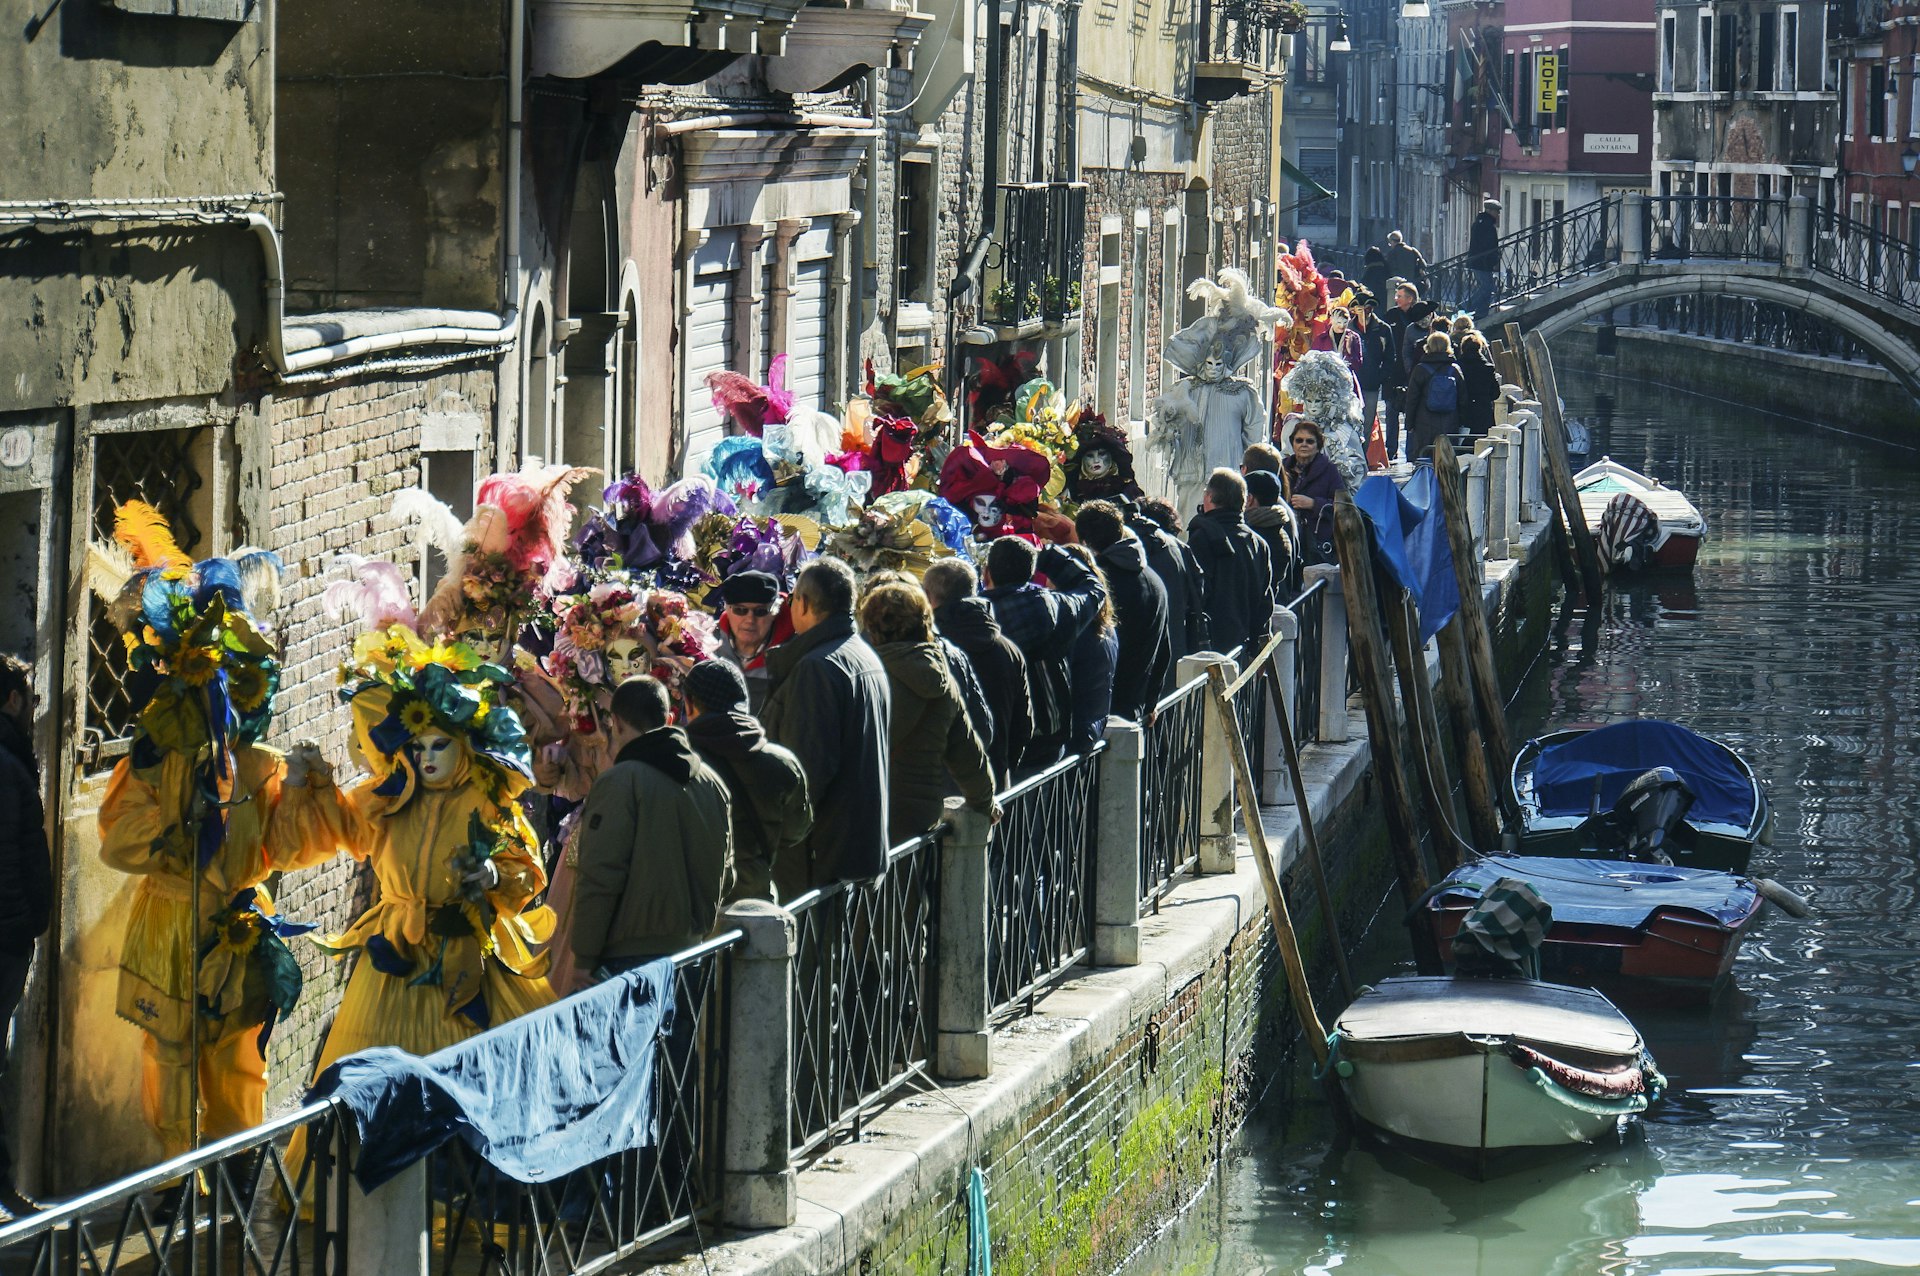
(143, 530)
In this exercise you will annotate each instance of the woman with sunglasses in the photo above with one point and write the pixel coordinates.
(1312, 481)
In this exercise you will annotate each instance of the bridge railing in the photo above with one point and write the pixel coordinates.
(1538, 256)
(1868, 258)
(1724, 228)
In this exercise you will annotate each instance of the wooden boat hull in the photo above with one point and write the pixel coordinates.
(1678, 552)
(1680, 526)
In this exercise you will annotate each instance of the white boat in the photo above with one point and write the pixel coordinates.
(1474, 1069)
(1667, 535)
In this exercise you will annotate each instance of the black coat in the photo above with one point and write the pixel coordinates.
(968, 624)
(1180, 575)
(26, 905)
(1045, 624)
(1239, 574)
(1405, 261)
(1483, 243)
(1397, 321)
(1376, 354)
(1423, 424)
(1373, 277)
(771, 809)
(829, 702)
(1140, 614)
(1479, 392)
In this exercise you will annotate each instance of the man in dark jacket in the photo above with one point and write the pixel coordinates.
(771, 810)
(964, 620)
(1376, 360)
(26, 904)
(1240, 596)
(1267, 514)
(1404, 260)
(1483, 255)
(656, 841)
(1139, 610)
(1180, 575)
(1399, 318)
(1044, 624)
(829, 703)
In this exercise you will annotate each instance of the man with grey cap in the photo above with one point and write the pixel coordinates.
(750, 626)
(771, 810)
(1483, 255)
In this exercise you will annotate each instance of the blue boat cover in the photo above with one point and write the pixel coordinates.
(1410, 535)
(536, 1098)
(1610, 892)
(1563, 774)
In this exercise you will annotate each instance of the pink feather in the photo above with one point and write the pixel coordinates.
(377, 593)
(539, 516)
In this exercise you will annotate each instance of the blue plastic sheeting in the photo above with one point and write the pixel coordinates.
(1611, 892)
(1563, 775)
(536, 1098)
(1410, 536)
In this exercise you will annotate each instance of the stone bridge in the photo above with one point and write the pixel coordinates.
(1620, 250)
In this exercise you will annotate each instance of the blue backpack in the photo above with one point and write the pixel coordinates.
(1443, 392)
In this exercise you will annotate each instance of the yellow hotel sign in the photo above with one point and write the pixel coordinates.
(1548, 73)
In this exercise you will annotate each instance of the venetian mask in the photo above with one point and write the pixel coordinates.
(1096, 463)
(438, 756)
(1215, 367)
(986, 510)
(625, 658)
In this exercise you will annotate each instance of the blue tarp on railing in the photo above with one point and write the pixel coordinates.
(536, 1098)
(1564, 775)
(1410, 535)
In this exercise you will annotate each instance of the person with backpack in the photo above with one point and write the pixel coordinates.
(1433, 396)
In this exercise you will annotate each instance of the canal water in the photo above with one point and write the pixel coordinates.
(1790, 1140)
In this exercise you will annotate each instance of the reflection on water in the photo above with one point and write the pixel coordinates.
(1790, 1141)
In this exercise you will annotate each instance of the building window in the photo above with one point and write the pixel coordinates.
(1843, 76)
(1767, 55)
(919, 213)
(1666, 194)
(1667, 27)
(1726, 61)
(1560, 94)
(1788, 80)
(1876, 101)
(1703, 64)
(1723, 187)
(1510, 79)
(1913, 243)
(1913, 99)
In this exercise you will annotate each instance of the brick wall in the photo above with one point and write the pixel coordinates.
(337, 457)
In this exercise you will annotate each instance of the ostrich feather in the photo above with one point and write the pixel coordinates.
(539, 515)
(437, 526)
(147, 536)
(109, 568)
(259, 571)
(376, 593)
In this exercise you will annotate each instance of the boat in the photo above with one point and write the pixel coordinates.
(1591, 792)
(1649, 931)
(1639, 523)
(1475, 1073)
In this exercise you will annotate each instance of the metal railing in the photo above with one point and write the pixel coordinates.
(1170, 789)
(863, 991)
(228, 1208)
(1310, 610)
(1723, 228)
(485, 1223)
(1538, 256)
(1037, 271)
(1759, 324)
(1868, 258)
(1040, 881)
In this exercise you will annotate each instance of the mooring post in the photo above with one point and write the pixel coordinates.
(1423, 732)
(1216, 772)
(1471, 579)
(1592, 579)
(759, 1189)
(1118, 849)
(1274, 789)
(962, 1052)
(1333, 654)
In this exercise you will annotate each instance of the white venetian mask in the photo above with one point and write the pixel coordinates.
(986, 510)
(625, 658)
(438, 757)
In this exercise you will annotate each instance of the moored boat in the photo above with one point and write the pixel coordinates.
(1475, 1071)
(1639, 522)
(1645, 930)
(1580, 793)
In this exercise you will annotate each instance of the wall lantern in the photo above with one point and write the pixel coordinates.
(1340, 43)
(1416, 9)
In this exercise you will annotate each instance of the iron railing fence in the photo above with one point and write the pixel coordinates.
(228, 1209)
(1039, 263)
(485, 1224)
(1347, 261)
(1040, 881)
(1722, 227)
(863, 990)
(1538, 256)
(1868, 258)
(1170, 789)
(1761, 324)
(1310, 610)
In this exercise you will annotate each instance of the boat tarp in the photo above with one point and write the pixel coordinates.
(1610, 892)
(1410, 536)
(1563, 775)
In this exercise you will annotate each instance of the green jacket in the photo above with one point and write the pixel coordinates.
(656, 853)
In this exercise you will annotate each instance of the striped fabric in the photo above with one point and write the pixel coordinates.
(1627, 531)
(1502, 933)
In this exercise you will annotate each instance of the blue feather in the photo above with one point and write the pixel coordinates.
(157, 597)
(219, 576)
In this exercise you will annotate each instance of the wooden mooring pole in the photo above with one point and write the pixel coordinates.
(1553, 438)
(1472, 618)
(1423, 732)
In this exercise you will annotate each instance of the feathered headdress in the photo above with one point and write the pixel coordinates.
(752, 407)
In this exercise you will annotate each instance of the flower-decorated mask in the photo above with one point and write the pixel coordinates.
(438, 756)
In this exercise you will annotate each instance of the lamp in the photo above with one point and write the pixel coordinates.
(1909, 160)
(1339, 43)
(1416, 9)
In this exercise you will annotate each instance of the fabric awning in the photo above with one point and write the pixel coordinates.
(1308, 187)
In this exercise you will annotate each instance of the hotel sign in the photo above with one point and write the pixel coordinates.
(1611, 143)
(1547, 72)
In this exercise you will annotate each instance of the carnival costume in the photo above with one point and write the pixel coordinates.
(1102, 464)
(1207, 419)
(196, 789)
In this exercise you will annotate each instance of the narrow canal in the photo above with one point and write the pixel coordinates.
(1790, 1141)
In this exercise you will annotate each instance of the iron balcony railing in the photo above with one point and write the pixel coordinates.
(1040, 881)
(862, 992)
(1760, 324)
(1538, 256)
(1170, 789)
(486, 1224)
(225, 1210)
(1036, 275)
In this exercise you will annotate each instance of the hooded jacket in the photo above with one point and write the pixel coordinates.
(1423, 424)
(829, 704)
(1140, 614)
(968, 624)
(772, 811)
(656, 853)
(1239, 570)
(1275, 526)
(930, 738)
(1479, 392)
(1045, 623)
(27, 903)
(1179, 572)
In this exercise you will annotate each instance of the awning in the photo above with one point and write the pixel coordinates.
(1309, 188)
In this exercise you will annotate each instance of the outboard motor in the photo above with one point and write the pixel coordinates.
(1648, 812)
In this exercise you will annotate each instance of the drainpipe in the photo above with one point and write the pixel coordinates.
(743, 119)
(967, 279)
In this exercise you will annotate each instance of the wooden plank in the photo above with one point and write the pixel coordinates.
(1309, 833)
(1553, 438)
(1456, 691)
(1512, 332)
(1479, 643)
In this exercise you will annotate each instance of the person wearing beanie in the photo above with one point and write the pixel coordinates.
(1145, 653)
(1269, 515)
(772, 812)
(751, 623)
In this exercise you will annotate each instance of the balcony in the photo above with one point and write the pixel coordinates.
(574, 39)
(833, 43)
(1034, 281)
(1247, 44)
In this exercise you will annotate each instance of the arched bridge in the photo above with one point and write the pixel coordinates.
(1623, 249)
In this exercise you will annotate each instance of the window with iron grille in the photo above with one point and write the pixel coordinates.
(168, 470)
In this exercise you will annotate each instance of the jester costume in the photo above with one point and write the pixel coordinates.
(197, 794)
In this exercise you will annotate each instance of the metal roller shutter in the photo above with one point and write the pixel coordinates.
(709, 345)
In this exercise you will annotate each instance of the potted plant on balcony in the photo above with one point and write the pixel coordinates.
(1000, 302)
(1288, 16)
(1063, 303)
